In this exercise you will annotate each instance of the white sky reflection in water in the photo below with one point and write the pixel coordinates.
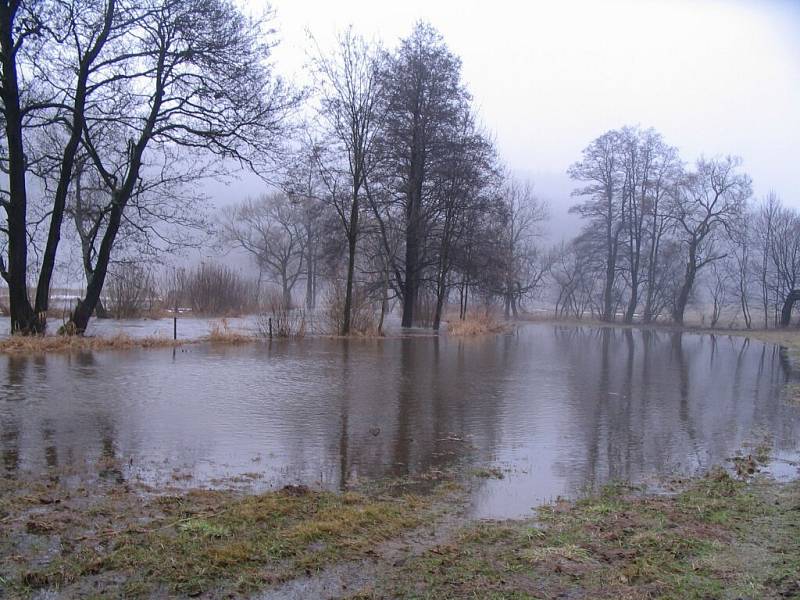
(556, 408)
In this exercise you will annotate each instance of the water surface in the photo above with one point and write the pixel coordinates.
(558, 409)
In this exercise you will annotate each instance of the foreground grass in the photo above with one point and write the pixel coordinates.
(120, 544)
(718, 538)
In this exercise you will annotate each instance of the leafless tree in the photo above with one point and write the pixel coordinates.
(523, 263)
(186, 80)
(50, 53)
(784, 254)
(600, 168)
(763, 234)
(272, 231)
(466, 194)
(425, 103)
(706, 206)
(349, 86)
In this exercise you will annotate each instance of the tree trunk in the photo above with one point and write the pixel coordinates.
(441, 292)
(310, 278)
(788, 305)
(683, 296)
(410, 283)
(83, 311)
(287, 294)
(351, 264)
(608, 288)
(23, 318)
(634, 299)
(384, 300)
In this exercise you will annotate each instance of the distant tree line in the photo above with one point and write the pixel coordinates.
(394, 192)
(659, 234)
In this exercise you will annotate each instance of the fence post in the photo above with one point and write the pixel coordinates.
(270, 328)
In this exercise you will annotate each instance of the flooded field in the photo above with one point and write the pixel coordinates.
(554, 410)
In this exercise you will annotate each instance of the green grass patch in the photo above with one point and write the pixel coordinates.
(717, 538)
(202, 541)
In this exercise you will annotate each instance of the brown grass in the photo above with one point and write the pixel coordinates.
(116, 543)
(477, 325)
(74, 343)
(221, 333)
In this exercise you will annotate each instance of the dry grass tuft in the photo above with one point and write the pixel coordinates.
(478, 325)
(221, 333)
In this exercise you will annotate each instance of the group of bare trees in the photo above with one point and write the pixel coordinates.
(395, 192)
(659, 235)
(109, 108)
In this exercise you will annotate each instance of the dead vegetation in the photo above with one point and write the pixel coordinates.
(74, 343)
(220, 332)
(477, 325)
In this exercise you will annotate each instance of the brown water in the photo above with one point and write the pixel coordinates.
(558, 409)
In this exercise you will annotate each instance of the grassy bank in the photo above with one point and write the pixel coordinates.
(120, 341)
(715, 537)
(112, 542)
(18, 344)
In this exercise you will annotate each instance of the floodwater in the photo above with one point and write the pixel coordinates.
(558, 409)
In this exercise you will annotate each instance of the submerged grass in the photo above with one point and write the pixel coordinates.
(119, 545)
(718, 538)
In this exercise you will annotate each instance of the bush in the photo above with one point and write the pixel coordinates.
(130, 291)
(286, 322)
(217, 290)
(362, 314)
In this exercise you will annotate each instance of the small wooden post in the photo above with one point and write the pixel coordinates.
(270, 328)
(175, 318)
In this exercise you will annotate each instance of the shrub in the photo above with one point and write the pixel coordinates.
(362, 314)
(286, 321)
(130, 291)
(217, 290)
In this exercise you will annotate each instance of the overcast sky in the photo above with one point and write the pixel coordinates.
(714, 77)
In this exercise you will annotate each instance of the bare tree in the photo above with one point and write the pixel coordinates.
(187, 80)
(705, 207)
(523, 264)
(600, 169)
(425, 102)
(740, 265)
(650, 168)
(469, 182)
(349, 87)
(763, 234)
(50, 53)
(785, 258)
(270, 229)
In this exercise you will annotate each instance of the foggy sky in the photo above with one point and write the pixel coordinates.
(713, 77)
